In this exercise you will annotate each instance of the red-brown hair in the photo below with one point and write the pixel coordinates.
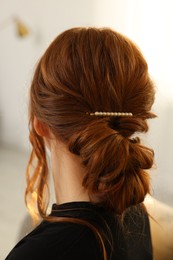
(87, 70)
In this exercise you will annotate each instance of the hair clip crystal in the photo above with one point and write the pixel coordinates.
(110, 114)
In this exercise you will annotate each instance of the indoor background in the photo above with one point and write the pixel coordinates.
(26, 29)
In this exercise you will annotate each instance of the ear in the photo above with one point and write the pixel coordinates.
(40, 128)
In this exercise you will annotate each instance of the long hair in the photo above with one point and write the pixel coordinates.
(86, 70)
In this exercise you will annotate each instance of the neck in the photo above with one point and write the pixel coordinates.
(68, 174)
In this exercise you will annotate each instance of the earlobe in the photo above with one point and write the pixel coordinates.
(40, 128)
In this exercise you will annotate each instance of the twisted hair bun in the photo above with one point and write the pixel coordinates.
(116, 165)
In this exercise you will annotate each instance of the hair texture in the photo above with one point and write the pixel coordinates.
(86, 70)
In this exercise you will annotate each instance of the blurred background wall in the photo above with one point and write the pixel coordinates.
(149, 23)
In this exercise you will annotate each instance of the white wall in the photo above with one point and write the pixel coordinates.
(18, 56)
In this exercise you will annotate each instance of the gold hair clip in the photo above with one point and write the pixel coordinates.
(110, 114)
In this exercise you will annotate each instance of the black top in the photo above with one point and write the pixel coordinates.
(64, 241)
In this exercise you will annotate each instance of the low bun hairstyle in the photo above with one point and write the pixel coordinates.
(115, 165)
(87, 70)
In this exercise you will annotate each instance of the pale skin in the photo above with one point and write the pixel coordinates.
(68, 174)
(67, 168)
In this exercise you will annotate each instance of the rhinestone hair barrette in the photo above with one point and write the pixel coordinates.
(110, 114)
